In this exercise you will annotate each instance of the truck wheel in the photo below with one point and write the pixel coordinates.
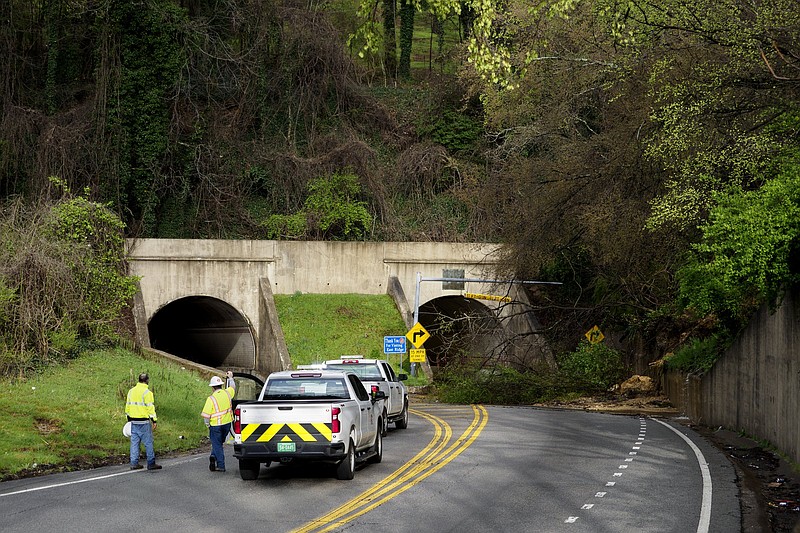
(249, 469)
(377, 448)
(402, 422)
(384, 424)
(346, 467)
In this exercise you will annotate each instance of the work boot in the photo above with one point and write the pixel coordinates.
(212, 463)
(154, 466)
(136, 467)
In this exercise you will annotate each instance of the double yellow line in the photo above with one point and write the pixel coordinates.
(429, 460)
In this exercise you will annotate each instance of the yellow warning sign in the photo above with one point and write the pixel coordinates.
(594, 335)
(417, 355)
(494, 297)
(417, 335)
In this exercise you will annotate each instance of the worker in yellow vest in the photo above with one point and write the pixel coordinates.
(218, 415)
(140, 409)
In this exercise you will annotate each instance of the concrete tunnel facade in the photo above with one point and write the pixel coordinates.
(211, 301)
(213, 333)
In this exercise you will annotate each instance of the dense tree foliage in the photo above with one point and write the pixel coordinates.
(642, 152)
(62, 279)
(632, 121)
(750, 250)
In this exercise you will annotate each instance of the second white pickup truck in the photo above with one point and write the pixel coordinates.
(377, 374)
(309, 415)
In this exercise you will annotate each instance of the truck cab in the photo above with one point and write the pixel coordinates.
(378, 375)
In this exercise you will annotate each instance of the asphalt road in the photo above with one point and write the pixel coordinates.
(455, 469)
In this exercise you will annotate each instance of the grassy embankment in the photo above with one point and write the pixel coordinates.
(71, 416)
(319, 327)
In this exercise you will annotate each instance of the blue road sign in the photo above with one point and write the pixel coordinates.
(394, 344)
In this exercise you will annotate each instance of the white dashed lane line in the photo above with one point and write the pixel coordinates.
(616, 475)
(704, 521)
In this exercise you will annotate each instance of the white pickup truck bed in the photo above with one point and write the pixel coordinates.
(304, 415)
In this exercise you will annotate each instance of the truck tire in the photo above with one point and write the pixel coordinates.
(249, 469)
(377, 448)
(384, 424)
(347, 466)
(402, 422)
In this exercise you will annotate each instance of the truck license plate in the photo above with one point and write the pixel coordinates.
(286, 446)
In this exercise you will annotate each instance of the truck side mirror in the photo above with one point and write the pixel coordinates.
(402, 377)
(378, 395)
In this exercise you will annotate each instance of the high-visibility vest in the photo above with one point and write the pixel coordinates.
(218, 408)
(140, 403)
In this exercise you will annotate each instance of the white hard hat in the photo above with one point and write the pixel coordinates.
(126, 430)
(215, 381)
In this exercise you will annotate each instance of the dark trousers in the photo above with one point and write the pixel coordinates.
(217, 436)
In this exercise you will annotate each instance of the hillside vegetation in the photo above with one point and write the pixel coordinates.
(645, 154)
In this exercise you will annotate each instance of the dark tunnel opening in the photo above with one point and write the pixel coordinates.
(205, 330)
(460, 328)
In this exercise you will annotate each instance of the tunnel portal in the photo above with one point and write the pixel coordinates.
(205, 330)
(460, 328)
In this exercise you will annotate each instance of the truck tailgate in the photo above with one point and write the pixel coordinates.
(299, 422)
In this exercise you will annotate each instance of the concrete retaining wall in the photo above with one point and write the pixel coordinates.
(755, 386)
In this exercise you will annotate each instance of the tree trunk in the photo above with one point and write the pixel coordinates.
(389, 40)
(406, 37)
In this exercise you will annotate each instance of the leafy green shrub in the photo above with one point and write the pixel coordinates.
(453, 130)
(286, 226)
(498, 385)
(62, 278)
(331, 212)
(63, 342)
(99, 267)
(698, 355)
(591, 367)
(746, 255)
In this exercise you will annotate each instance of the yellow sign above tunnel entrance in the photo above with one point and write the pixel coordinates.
(476, 296)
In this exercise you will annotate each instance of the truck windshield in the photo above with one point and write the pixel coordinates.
(306, 388)
(365, 371)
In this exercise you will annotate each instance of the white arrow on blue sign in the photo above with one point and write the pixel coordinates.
(394, 344)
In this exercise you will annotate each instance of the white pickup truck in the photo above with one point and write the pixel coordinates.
(309, 415)
(378, 375)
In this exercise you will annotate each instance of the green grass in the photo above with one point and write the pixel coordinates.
(318, 327)
(326, 326)
(72, 416)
